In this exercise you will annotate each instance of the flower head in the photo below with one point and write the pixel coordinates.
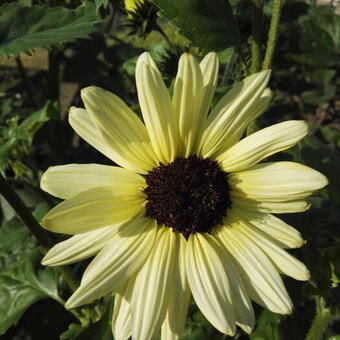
(189, 210)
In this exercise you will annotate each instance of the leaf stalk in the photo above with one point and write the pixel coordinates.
(34, 227)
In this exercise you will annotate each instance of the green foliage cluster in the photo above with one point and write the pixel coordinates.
(95, 42)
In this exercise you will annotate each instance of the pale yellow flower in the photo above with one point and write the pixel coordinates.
(189, 212)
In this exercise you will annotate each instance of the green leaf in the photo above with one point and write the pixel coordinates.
(318, 96)
(22, 280)
(101, 3)
(331, 135)
(210, 25)
(43, 26)
(322, 76)
(100, 329)
(16, 138)
(320, 37)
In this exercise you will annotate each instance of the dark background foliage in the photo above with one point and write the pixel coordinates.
(45, 61)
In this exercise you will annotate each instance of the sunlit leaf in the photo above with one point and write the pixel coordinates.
(22, 280)
(43, 26)
(210, 25)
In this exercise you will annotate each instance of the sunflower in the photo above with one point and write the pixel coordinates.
(189, 210)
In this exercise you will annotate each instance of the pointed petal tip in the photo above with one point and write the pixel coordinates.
(247, 328)
(46, 261)
(73, 301)
(72, 109)
(88, 88)
(144, 58)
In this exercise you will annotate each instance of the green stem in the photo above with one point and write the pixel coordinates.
(24, 213)
(256, 36)
(272, 35)
(321, 321)
(72, 311)
(228, 68)
(243, 61)
(35, 228)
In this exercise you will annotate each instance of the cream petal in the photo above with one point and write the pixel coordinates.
(209, 68)
(231, 116)
(209, 284)
(66, 181)
(286, 263)
(93, 209)
(179, 297)
(283, 234)
(121, 129)
(262, 280)
(187, 99)
(157, 110)
(82, 124)
(243, 309)
(121, 317)
(276, 182)
(262, 144)
(150, 295)
(167, 333)
(118, 260)
(269, 207)
(79, 247)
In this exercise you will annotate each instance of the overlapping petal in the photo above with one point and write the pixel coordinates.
(157, 110)
(261, 278)
(79, 247)
(233, 113)
(179, 297)
(187, 102)
(122, 256)
(66, 181)
(120, 128)
(93, 209)
(270, 207)
(262, 144)
(209, 284)
(83, 125)
(286, 263)
(209, 68)
(121, 316)
(275, 229)
(243, 309)
(150, 294)
(276, 182)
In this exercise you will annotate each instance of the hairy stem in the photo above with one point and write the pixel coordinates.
(321, 321)
(35, 228)
(256, 36)
(272, 35)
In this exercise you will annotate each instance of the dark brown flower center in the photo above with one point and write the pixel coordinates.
(188, 195)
